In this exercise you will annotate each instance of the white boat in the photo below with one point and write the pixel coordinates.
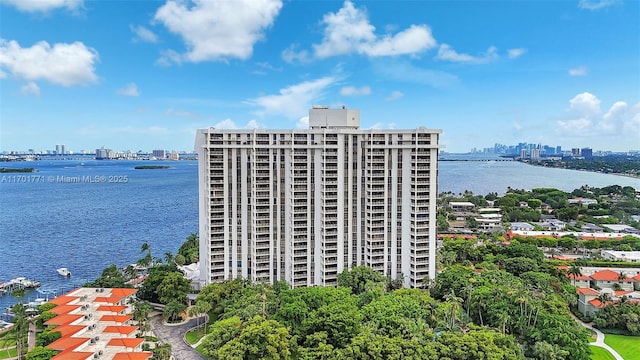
(64, 272)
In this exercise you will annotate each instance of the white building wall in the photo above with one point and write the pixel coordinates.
(385, 245)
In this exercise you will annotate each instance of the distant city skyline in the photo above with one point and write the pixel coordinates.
(478, 70)
(515, 149)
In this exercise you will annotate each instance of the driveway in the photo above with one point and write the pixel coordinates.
(599, 339)
(174, 335)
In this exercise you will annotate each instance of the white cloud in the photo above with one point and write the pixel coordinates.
(579, 71)
(354, 91)
(381, 126)
(228, 124)
(585, 104)
(142, 34)
(395, 95)
(516, 53)
(596, 4)
(253, 124)
(218, 30)
(130, 89)
(30, 88)
(294, 101)
(446, 52)
(62, 64)
(43, 5)
(585, 118)
(303, 122)
(349, 31)
(291, 54)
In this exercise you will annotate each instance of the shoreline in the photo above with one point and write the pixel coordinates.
(631, 176)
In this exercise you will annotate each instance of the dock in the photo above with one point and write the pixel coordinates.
(17, 284)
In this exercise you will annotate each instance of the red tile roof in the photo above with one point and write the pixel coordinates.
(116, 318)
(579, 277)
(620, 293)
(120, 329)
(597, 303)
(73, 355)
(68, 330)
(63, 319)
(111, 308)
(605, 275)
(122, 292)
(132, 356)
(109, 299)
(67, 343)
(64, 309)
(126, 342)
(587, 291)
(64, 299)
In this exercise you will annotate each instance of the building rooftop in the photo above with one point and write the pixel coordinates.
(96, 323)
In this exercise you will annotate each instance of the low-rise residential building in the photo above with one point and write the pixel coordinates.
(582, 201)
(489, 219)
(523, 226)
(607, 279)
(621, 228)
(628, 256)
(552, 225)
(461, 205)
(591, 301)
(589, 227)
(585, 296)
(96, 323)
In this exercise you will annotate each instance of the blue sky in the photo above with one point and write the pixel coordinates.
(144, 75)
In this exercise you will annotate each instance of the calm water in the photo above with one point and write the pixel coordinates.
(86, 226)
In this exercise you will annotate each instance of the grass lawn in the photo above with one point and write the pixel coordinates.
(627, 346)
(601, 354)
(7, 341)
(6, 354)
(194, 335)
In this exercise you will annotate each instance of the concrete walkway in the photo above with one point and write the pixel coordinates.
(174, 335)
(599, 339)
(31, 342)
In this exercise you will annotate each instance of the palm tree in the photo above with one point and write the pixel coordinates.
(455, 302)
(575, 271)
(168, 256)
(146, 260)
(503, 316)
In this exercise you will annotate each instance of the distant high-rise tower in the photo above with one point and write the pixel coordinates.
(160, 154)
(61, 149)
(587, 153)
(304, 205)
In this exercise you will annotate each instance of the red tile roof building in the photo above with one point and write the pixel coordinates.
(96, 323)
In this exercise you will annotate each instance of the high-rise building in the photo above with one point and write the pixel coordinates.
(160, 154)
(61, 149)
(587, 153)
(104, 154)
(304, 205)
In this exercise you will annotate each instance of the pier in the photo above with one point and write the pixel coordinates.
(17, 284)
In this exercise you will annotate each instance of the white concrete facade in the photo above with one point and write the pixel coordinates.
(304, 205)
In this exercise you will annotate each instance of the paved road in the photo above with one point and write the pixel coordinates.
(599, 339)
(174, 335)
